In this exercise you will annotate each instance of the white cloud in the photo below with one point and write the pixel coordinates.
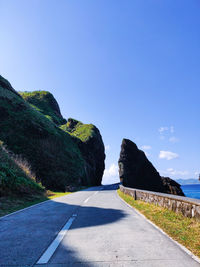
(172, 172)
(173, 139)
(163, 129)
(111, 174)
(168, 155)
(196, 174)
(146, 147)
(166, 132)
(111, 171)
(107, 147)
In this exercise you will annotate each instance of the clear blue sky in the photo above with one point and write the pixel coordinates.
(132, 68)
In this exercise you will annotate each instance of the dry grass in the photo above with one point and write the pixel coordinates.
(184, 230)
(13, 203)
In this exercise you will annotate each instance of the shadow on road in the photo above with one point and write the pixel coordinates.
(27, 234)
(104, 187)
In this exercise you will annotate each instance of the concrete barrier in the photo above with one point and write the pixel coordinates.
(189, 207)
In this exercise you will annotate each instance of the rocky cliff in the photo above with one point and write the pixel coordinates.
(29, 128)
(90, 143)
(136, 171)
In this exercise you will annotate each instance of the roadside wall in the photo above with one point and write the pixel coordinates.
(189, 207)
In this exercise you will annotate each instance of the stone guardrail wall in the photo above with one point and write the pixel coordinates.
(189, 207)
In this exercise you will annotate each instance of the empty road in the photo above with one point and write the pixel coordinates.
(90, 228)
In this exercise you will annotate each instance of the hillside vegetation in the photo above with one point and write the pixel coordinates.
(44, 102)
(15, 176)
(29, 124)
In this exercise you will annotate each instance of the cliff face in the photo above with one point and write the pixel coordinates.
(29, 128)
(90, 143)
(136, 171)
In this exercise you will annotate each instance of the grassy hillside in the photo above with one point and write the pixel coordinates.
(15, 176)
(53, 156)
(44, 102)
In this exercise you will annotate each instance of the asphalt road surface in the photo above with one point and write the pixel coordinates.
(89, 228)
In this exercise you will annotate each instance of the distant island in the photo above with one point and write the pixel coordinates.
(187, 181)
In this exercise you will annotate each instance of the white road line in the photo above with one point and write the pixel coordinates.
(159, 229)
(52, 248)
(85, 201)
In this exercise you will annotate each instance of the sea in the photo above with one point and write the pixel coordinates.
(191, 190)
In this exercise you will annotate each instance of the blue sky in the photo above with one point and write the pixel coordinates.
(132, 68)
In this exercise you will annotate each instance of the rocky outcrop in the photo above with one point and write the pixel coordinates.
(90, 143)
(45, 102)
(171, 186)
(136, 171)
(60, 157)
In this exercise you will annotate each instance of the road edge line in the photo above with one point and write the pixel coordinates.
(194, 257)
(34, 205)
(17, 211)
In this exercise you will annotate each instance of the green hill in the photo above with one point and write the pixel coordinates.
(59, 157)
(53, 156)
(44, 102)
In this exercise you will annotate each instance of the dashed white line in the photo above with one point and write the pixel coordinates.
(85, 201)
(52, 248)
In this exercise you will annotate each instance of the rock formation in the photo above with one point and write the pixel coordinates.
(171, 186)
(59, 158)
(136, 171)
(90, 143)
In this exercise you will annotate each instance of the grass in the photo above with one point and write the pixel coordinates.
(11, 204)
(81, 131)
(44, 102)
(84, 132)
(184, 230)
(52, 154)
(15, 176)
(14, 203)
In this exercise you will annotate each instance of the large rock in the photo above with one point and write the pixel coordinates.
(136, 171)
(171, 186)
(91, 145)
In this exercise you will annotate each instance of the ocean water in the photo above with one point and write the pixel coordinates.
(191, 190)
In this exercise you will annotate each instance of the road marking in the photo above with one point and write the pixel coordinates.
(159, 229)
(85, 201)
(52, 248)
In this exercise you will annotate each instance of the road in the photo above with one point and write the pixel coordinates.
(91, 228)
